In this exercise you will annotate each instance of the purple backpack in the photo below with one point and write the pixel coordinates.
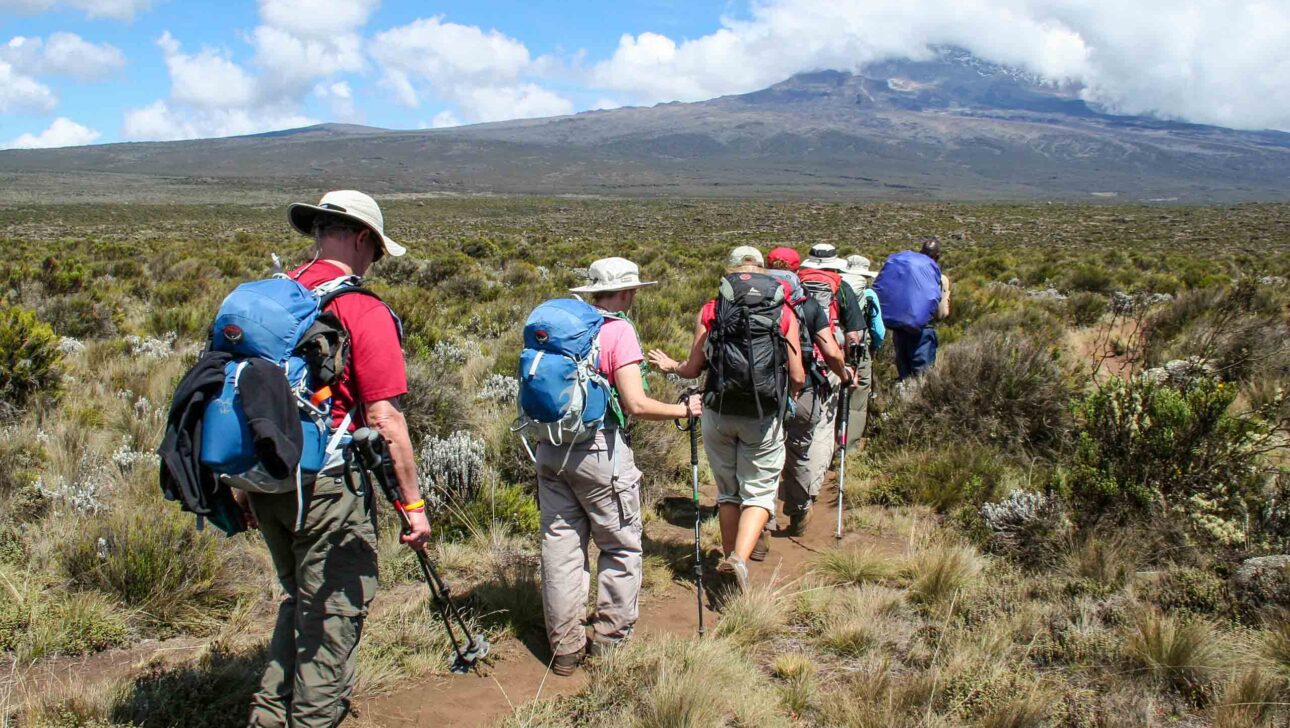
(909, 290)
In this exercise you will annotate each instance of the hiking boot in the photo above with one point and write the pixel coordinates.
(733, 565)
(762, 547)
(797, 523)
(565, 665)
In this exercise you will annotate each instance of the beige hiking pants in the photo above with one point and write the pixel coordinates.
(809, 443)
(585, 501)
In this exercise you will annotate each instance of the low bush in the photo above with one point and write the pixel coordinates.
(940, 573)
(1085, 309)
(1147, 448)
(752, 617)
(512, 507)
(29, 358)
(1006, 390)
(854, 566)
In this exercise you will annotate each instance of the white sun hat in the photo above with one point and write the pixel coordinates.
(612, 274)
(349, 204)
(745, 255)
(825, 256)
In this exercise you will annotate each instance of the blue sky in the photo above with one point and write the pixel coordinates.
(82, 71)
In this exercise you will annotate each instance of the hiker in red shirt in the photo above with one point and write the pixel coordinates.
(327, 565)
(746, 340)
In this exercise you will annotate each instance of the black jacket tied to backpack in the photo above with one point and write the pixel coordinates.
(746, 350)
(271, 417)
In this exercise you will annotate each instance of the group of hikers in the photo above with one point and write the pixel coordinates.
(305, 369)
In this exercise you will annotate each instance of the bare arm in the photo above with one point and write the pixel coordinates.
(832, 353)
(386, 418)
(693, 366)
(796, 372)
(635, 403)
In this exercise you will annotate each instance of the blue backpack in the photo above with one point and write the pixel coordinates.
(563, 398)
(283, 322)
(909, 290)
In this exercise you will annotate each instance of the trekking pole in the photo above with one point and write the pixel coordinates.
(374, 455)
(844, 417)
(698, 510)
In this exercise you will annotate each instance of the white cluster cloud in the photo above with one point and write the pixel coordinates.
(63, 54)
(23, 93)
(484, 73)
(1202, 60)
(297, 47)
(112, 9)
(62, 133)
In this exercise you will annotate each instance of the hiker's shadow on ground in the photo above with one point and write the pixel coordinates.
(679, 511)
(212, 692)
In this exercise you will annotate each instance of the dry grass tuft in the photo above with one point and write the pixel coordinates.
(1251, 700)
(750, 618)
(1184, 654)
(854, 566)
(940, 572)
(800, 684)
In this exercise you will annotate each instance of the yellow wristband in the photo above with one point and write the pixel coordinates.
(420, 505)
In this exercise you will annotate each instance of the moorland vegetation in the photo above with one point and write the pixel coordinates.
(1091, 490)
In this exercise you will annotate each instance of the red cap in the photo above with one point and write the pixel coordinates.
(784, 255)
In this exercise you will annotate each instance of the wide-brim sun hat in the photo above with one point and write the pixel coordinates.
(609, 275)
(350, 205)
(825, 257)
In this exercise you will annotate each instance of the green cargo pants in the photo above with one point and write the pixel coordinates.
(328, 572)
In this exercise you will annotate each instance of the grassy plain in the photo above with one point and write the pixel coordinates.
(1077, 518)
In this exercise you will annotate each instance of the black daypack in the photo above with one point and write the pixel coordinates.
(747, 353)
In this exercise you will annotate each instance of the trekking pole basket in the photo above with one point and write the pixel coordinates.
(374, 457)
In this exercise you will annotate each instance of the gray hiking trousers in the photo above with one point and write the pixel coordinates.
(860, 403)
(809, 442)
(580, 500)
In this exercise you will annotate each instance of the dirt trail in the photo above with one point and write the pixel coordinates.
(520, 675)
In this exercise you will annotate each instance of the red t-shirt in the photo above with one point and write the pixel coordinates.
(375, 370)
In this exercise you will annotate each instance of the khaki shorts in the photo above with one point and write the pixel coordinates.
(746, 455)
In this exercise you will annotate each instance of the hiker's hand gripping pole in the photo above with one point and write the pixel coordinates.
(374, 457)
(691, 426)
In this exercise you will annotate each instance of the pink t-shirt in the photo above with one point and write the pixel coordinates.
(619, 347)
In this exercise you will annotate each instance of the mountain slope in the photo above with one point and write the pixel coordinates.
(952, 128)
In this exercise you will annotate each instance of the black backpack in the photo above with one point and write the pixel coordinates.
(747, 352)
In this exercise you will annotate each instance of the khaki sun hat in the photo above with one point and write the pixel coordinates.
(612, 274)
(824, 256)
(859, 265)
(349, 204)
(745, 255)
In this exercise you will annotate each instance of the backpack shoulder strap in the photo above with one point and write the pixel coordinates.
(333, 289)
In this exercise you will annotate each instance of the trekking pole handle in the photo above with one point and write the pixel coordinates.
(685, 400)
(374, 455)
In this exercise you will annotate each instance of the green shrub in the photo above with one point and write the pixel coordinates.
(1198, 591)
(154, 562)
(29, 357)
(1085, 309)
(1007, 390)
(1150, 449)
(84, 315)
(1092, 279)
